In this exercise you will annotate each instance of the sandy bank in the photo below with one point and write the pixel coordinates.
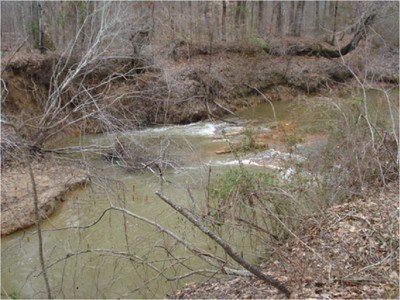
(53, 183)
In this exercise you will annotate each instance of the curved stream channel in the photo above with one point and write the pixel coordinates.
(90, 263)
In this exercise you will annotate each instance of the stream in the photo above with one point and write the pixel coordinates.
(92, 262)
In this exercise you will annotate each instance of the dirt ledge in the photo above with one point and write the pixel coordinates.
(53, 183)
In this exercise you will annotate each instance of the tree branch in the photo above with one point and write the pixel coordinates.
(228, 249)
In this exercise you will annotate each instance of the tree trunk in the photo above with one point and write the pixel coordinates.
(298, 20)
(171, 13)
(240, 18)
(237, 16)
(22, 19)
(41, 29)
(190, 22)
(252, 16)
(34, 27)
(279, 19)
(207, 17)
(260, 17)
(335, 9)
(317, 18)
(325, 13)
(223, 21)
(292, 13)
(243, 19)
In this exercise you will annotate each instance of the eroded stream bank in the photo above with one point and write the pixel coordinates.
(52, 181)
(258, 129)
(93, 251)
(91, 261)
(179, 91)
(194, 150)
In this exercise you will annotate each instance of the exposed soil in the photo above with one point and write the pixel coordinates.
(180, 89)
(351, 251)
(53, 182)
(186, 85)
(202, 82)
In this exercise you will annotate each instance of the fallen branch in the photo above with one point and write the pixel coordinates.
(224, 108)
(200, 272)
(318, 50)
(228, 249)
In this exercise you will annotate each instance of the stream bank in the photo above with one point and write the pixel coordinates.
(182, 88)
(332, 256)
(194, 148)
(178, 90)
(53, 182)
(195, 145)
(190, 98)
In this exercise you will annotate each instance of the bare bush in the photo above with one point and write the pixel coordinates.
(363, 147)
(71, 93)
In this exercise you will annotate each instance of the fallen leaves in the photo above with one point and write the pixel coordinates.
(359, 243)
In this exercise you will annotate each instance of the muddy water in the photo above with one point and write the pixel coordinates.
(92, 262)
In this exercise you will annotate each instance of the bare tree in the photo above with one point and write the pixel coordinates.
(260, 17)
(334, 9)
(292, 21)
(240, 19)
(317, 17)
(223, 21)
(228, 249)
(279, 18)
(21, 145)
(298, 19)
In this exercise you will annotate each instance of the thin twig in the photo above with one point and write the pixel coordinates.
(266, 99)
(26, 159)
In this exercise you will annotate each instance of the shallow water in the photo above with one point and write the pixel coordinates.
(92, 262)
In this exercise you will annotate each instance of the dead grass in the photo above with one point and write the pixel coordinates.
(349, 252)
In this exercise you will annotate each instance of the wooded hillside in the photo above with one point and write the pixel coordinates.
(51, 26)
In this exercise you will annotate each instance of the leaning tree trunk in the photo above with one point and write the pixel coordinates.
(318, 50)
(361, 31)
